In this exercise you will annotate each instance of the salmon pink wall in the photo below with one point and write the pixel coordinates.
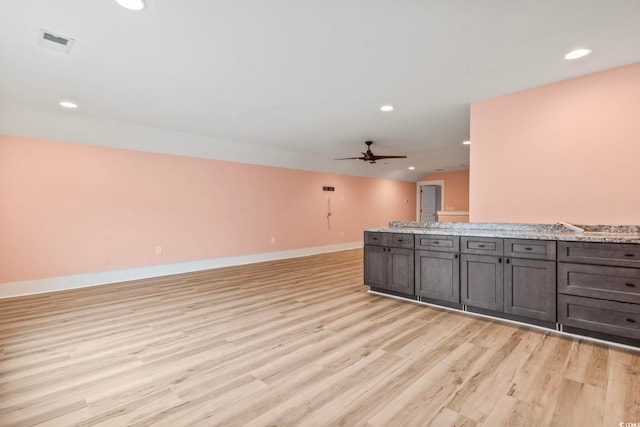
(567, 151)
(70, 208)
(456, 189)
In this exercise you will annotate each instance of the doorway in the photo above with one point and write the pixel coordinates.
(430, 197)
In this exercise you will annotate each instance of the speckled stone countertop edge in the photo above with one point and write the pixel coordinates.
(522, 231)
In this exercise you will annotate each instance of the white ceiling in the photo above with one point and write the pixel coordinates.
(307, 78)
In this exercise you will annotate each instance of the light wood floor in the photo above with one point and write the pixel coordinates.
(294, 342)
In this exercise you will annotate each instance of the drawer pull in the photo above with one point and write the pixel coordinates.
(374, 238)
(528, 249)
(630, 320)
(481, 246)
(436, 242)
(631, 285)
(399, 240)
(629, 255)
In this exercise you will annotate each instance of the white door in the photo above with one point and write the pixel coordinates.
(429, 207)
(430, 197)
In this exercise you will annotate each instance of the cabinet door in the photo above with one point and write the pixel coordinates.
(530, 288)
(481, 281)
(375, 266)
(400, 270)
(437, 275)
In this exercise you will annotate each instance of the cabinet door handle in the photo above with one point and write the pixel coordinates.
(631, 285)
(500, 260)
(455, 256)
(507, 261)
(629, 255)
(630, 320)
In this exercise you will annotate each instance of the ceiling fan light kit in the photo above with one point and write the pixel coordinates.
(368, 156)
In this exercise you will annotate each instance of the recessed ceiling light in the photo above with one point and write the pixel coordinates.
(412, 168)
(132, 4)
(68, 104)
(577, 53)
(466, 142)
(386, 108)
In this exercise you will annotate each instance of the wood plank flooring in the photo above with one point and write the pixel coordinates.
(292, 342)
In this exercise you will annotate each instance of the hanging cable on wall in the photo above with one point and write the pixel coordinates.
(329, 213)
(328, 188)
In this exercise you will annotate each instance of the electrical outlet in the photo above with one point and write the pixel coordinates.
(158, 250)
(273, 240)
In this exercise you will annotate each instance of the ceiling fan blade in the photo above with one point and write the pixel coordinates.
(368, 156)
(389, 157)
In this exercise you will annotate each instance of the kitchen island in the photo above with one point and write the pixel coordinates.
(582, 280)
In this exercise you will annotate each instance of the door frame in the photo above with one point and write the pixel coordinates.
(419, 184)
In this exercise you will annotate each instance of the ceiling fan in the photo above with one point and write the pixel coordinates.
(368, 156)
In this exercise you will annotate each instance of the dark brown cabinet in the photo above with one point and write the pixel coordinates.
(388, 262)
(530, 288)
(482, 281)
(599, 290)
(600, 316)
(581, 287)
(437, 277)
(514, 285)
(400, 268)
(375, 266)
(617, 254)
(437, 243)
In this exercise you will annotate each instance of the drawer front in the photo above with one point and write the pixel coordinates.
(437, 243)
(609, 317)
(618, 254)
(596, 281)
(532, 249)
(481, 245)
(374, 238)
(400, 240)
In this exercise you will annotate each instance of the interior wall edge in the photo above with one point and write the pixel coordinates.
(76, 281)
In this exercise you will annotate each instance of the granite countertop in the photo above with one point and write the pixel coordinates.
(560, 231)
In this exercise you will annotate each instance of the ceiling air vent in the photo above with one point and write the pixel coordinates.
(55, 41)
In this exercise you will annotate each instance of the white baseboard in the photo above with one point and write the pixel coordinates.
(53, 284)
